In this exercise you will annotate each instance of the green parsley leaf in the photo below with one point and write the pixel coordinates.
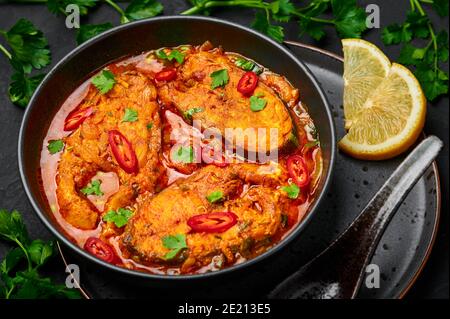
(22, 86)
(93, 188)
(131, 115)
(442, 43)
(40, 251)
(12, 226)
(282, 10)
(141, 9)
(292, 190)
(183, 155)
(87, 31)
(119, 218)
(257, 104)
(11, 260)
(418, 24)
(149, 126)
(189, 113)
(434, 82)
(262, 24)
(313, 28)
(248, 65)
(441, 7)
(28, 44)
(104, 81)
(349, 19)
(395, 34)
(173, 55)
(55, 146)
(215, 197)
(219, 78)
(59, 6)
(175, 243)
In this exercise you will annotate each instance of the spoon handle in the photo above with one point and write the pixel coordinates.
(382, 207)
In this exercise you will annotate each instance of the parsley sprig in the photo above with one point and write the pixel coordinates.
(26, 282)
(425, 59)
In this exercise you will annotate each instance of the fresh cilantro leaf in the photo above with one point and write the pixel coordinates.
(131, 115)
(119, 218)
(395, 34)
(141, 9)
(215, 197)
(292, 190)
(28, 44)
(282, 10)
(40, 251)
(22, 86)
(183, 155)
(87, 31)
(32, 286)
(104, 81)
(441, 7)
(55, 146)
(93, 188)
(418, 24)
(247, 65)
(442, 43)
(434, 82)
(257, 103)
(262, 24)
(189, 113)
(12, 226)
(349, 19)
(149, 126)
(174, 54)
(175, 243)
(59, 6)
(313, 28)
(219, 78)
(11, 260)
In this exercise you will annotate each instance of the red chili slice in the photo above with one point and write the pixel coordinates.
(213, 222)
(76, 117)
(247, 84)
(167, 74)
(298, 170)
(123, 152)
(100, 249)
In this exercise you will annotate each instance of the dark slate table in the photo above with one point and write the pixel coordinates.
(434, 280)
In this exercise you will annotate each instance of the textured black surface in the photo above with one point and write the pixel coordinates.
(434, 280)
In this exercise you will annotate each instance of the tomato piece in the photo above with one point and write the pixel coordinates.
(167, 74)
(100, 249)
(217, 222)
(247, 84)
(76, 117)
(123, 152)
(298, 170)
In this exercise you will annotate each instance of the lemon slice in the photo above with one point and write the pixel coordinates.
(365, 66)
(390, 120)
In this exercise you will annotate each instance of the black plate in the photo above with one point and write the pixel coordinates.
(403, 249)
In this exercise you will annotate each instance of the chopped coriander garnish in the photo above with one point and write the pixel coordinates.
(219, 78)
(247, 65)
(174, 54)
(149, 126)
(184, 155)
(131, 115)
(119, 218)
(93, 188)
(292, 190)
(257, 103)
(104, 81)
(215, 197)
(175, 243)
(55, 146)
(189, 113)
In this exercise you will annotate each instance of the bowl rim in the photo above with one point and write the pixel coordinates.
(294, 233)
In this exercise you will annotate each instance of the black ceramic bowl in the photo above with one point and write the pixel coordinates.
(144, 35)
